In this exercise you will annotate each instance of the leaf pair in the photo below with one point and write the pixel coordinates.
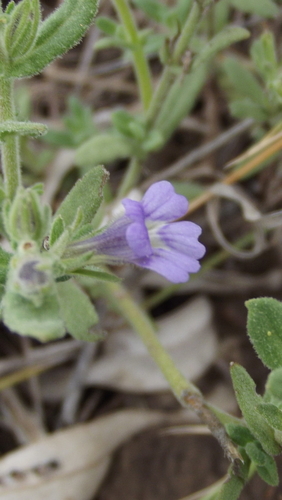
(30, 44)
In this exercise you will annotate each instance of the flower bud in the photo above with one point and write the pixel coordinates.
(26, 218)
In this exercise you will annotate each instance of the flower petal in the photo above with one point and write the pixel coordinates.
(138, 240)
(182, 236)
(173, 266)
(134, 210)
(161, 202)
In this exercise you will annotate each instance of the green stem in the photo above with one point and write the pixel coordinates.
(187, 32)
(141, 66)
(187, 393)
(10, 143)
(129, 180)
(170, 74)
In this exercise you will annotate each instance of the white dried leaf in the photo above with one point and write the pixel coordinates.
(69, 464)
(188, 335)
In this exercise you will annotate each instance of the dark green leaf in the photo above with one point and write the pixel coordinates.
(103, 148)
(268, 472)
(240, 434)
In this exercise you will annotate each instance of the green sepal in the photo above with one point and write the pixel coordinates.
(87, 193)
(57, 230)
(77, 311)
(63, 29)
(103, 148)
(222, 40)
(248, 401)
(22, 128)
(85, 231)
(5, 258)
(70, 264)
(21, 30)
(265, 329)
(22, 316)
(26, 218)
(97, 273)
(60, 244)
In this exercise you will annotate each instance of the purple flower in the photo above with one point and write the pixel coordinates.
(146, 236)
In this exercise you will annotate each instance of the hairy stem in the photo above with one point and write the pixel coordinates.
(10, 143)
(186, 392)
(130, 177)
(141, 66)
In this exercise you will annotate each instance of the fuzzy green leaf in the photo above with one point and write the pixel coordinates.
(248, 400)
(22, 316)
(265, 465)
(274, 384)
(221, 41)
(231, 489)
(271, 414)
(86, 195)
(243, 81)
(246, 108)
(265, 329)
(107, 25)
(268, 472)
(21, 31)
(103, 148)
(77, 311)
(263, 53)
(179, 101)
(56, 35)
(256, 453)
(265, 8)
